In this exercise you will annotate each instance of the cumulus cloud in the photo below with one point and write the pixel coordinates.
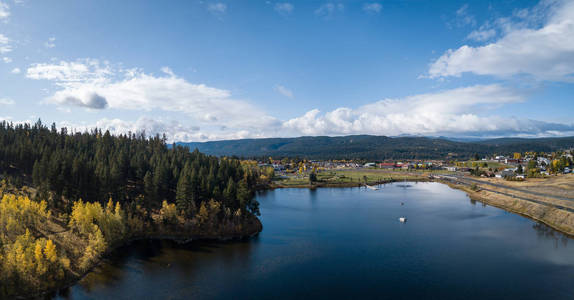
(538, 42)
(327, 10)
(284, 91)
(7, 59)
(16, 71)
(173, 130)
(372, 7)
(284, 8)
(5, 46)
(98, 85)
(447, 112)
(90, 100)
(217, 8)
(91, 84)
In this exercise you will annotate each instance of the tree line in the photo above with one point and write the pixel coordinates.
(129, 168)
(92, 191)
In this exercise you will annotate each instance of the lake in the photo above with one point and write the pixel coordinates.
(348, 243)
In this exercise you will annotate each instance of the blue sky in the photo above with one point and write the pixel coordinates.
(210, 70)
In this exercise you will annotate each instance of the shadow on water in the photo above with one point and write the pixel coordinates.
(544, 231)
(148, 257)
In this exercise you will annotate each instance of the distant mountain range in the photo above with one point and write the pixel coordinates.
(377, 147)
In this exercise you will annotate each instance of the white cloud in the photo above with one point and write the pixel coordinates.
(544, 52)
(91, 84)
(6, 101)
(4, 11)
(6, 59)
(167, 71)
(65, 73)
(372, 7)
(215, 115)
(5, 46)
(284, 91)
(217, 8)
(463, 18)
(174, 130)
(447, 112)
(327, 10)
(482, 35)
(50, 43)
(16, 71)
(284, 8)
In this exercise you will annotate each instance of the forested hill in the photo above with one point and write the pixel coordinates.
(375, 147)
(131, 169)
(66, 199)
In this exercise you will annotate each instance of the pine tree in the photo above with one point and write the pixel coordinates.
(183, 196)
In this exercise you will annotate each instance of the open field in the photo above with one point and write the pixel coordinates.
(356, 177)
(548, 200)
(561, 186)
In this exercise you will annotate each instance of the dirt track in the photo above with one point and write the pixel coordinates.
(538, 201)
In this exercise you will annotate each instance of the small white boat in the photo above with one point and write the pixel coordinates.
(374, 188)
(403, 219)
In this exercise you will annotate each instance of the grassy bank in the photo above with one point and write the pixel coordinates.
(351, 178)
(554, 213)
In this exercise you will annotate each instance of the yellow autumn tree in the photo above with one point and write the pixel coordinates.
(203, 214)
(96, 246)
(168, 212)
(50, 252)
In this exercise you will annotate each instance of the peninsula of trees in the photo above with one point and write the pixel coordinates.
(67, 198)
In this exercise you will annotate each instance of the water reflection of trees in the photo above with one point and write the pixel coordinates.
(546, 232)
(155, 257)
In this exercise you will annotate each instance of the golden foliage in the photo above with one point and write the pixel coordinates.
(18, 213)
(110, 221)
(168, 212)
(100, 227)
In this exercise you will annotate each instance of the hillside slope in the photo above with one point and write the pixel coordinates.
(375, 147)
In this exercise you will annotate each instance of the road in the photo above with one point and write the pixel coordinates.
(468, 181)
(462, 177)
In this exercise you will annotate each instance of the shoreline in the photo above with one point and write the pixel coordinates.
(177, 238)
(537, 212)
(342, 185)
(542, 213)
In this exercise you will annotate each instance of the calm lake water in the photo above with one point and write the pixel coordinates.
(348, 243)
